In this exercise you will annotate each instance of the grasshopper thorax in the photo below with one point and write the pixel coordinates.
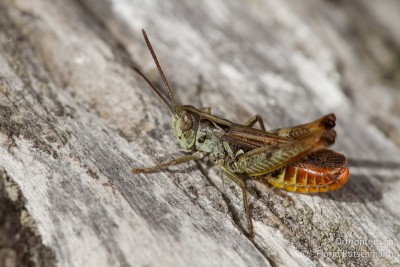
(185, 126)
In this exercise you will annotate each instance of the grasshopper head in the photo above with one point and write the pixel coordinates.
(184, 122)
(184, 126)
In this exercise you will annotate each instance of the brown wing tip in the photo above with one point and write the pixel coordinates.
(329, 137)
(329, 121)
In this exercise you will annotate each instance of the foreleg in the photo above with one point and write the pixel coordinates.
(195, 156)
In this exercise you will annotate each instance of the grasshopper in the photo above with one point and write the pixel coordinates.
(294, 159)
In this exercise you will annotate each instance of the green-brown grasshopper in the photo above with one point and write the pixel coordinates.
(294, 159)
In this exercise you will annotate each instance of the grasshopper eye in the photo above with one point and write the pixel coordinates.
(186, 122)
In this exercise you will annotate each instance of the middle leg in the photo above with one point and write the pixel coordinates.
(243, 185)
(253, 120)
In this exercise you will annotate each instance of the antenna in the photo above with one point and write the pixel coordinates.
(173, 104)
(155, 89)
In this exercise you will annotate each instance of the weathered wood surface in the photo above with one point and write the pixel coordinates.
(75, 119)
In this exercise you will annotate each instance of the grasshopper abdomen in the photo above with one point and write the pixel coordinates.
(306, 178)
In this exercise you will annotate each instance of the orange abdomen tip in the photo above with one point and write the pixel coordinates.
(340, 177)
